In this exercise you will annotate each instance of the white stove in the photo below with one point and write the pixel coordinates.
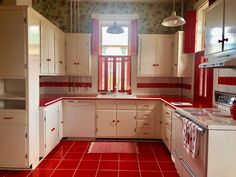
(213, 118)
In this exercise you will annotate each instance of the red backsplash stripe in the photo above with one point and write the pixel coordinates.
(227, 80)
(163, 85)
(65, 84)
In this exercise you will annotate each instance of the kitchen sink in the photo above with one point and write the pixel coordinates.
(115, 96)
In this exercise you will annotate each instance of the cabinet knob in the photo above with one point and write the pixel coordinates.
(78, 63)
(8, 118)
(226, 39)
(74, 63)
(48, 59)
(157, 64)
(53, 129)
(113, 121)
(175, 64)
(153, 65)
(60, 62)
(118, 121)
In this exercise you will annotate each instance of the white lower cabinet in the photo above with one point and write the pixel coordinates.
(50, 124)
(126, 123)
(106, 123)
(13, 145)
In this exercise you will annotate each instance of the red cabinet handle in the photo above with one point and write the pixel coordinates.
(8, 118)
(49, 59)
(53, 129)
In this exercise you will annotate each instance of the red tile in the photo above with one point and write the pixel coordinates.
(170, 174)
(73, 156)
(167, 166)
(68, 164)
(110, 156)
(41, 173)
(163, 157)
(149, 166)
(129, 174)
(18, 173)
(78, 148)
(82, 143)
(151, 174)
(48, 164)
(68, 143)
(92, 156)
(145, 150)
(146, 157)
(128, 157)
(88, 165)
(108, 165)
(85, 173)
(55, 155)
(63, 173)
(107, 174)
(3, 172)
(129, 166)
(61, 148)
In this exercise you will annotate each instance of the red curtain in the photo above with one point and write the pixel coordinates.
(134, 37)
(190, 32)
(95, 37)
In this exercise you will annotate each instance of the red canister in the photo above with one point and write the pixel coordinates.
(233, 111)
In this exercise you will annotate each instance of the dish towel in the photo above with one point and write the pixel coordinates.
(190, 138)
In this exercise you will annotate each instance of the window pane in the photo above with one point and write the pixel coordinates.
(114, 51)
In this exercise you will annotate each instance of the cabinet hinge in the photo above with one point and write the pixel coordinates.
(26, 156)
(96, 129)
(25, 20)
(135, 130)
(25, 66)
(26, 135)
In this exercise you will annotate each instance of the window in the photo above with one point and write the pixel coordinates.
(114, 64)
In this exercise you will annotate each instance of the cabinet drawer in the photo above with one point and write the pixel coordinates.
(13, 118)
(146, 105)
(105, 105)
(168, 123)
(145, 133)
(126, 105)
(146, 114)
(167, 111)
(145, 124)
(168, 134)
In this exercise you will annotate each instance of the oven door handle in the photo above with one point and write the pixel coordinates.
(187, 168)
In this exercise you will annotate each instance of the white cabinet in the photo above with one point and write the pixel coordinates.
(78, 58)
(106, 123)
(220, 33)
(13, 43)
(183, 63)
(50, 126)
(115, 119)
(47, 48)
(13, 150)
(59, 52)
(155, 55)
(79, 118)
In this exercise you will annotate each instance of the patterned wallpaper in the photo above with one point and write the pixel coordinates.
(151, 14)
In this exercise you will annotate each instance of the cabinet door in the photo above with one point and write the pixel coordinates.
(126, 123)
(84, 58)
(147, 55)
(230, 25)
(47, 48)
(106, 123)
(51, 127)
(71, 55)
(214, 28)
(164, 56)
(12, 43)
(13, 145)
(59, 52)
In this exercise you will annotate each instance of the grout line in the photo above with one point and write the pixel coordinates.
(99, 161)
(118, 173)
(81, 159)
(137, 158)
(157, 161)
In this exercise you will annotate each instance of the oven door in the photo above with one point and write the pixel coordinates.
(196, 165)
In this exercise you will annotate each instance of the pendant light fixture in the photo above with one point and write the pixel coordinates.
(115, 28)
(173, 20)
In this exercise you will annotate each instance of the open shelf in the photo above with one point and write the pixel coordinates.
(12, 96)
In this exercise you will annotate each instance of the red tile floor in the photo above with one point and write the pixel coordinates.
(70, 159)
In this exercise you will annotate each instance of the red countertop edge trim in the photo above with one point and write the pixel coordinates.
(227, 80)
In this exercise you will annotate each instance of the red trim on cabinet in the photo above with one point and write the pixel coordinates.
(227, 80)
(190, 31)
(164, 85)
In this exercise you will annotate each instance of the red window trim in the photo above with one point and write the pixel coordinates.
(105, 58)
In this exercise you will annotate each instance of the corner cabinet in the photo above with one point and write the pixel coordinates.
(19, 87)
(78, 58)
(155, 55)
(183, 63)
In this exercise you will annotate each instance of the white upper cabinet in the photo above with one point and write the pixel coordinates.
(183, 63)
(47, 48)
(59, 52)
(78, 58)
(13, 33)
(220, 27)
(155, 55)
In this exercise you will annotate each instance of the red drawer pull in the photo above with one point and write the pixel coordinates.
(53, 129)
(146, 124)
(146, 133)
